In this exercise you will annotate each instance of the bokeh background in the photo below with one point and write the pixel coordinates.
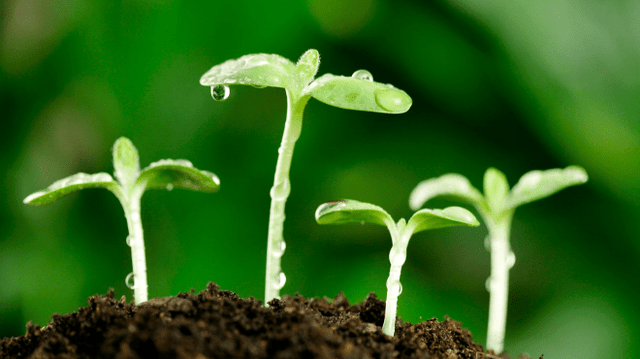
(518, 85)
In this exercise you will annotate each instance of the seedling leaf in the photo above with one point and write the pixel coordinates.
(125, 161)
(358, 94)
(449, 185)
(350, 211)
(258, 70)
(307, 66)
(535, 185)
(496, 189)
(439, 218)
(70, 184)
(169, 174)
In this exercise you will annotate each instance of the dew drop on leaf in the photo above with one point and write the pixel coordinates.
(169, 187)
(220, 92)
(392, 100)
(130, 281)
(363, 75)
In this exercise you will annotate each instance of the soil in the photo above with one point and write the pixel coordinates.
(219, 324)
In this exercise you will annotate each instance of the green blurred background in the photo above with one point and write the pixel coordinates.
(518, 85)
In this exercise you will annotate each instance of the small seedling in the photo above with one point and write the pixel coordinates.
(349, 211)
(129, 186)
(496, 208)
(358, 92)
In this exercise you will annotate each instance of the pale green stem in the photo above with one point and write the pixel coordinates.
(397, 257)
(131, 207)
(279, 193)
(499, 281)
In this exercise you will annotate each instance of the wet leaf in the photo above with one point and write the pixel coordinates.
(536, 185)
(426, 219)
(170, 174)
(71, 184)
(350, 211)
(259, 70)
(307, 66)
(449, 185)
(358, 94)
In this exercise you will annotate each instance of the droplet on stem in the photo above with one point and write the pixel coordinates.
(282, 279)
(220, 92)
(487, 284)
(278, 248)
(130, 281)
(129, 240)
(363, 75)
(511, 260)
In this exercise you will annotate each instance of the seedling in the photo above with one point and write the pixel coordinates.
(496, 208)
(349, 211)
(129, 186)
(358, 92)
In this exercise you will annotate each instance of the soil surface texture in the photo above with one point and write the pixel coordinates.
(219, 324)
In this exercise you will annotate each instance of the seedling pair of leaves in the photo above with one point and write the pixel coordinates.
(129, 186)
(350, 211)
(497, 207)
(358, 92)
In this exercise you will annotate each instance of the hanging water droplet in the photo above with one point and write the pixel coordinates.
(397, 257)
(281, 190)
(130, 281)
(169, 187)
(129, 239)
(363, 75)
(487, 243)
(278, 248)
(220, 92)
(394, 101)
(511, 259)
(282, 279)
(487, 284)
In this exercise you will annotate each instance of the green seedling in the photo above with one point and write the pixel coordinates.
(128, 187)
(357, 92)
(349, 211)
(496, 208)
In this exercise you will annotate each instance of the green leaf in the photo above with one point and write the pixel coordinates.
(307, 66)
(259, 70)
(449, 185)
(169, 174)
(535, 185)
(439, 218)
(126, 162)
(350, 211)
(496, 189)
(355, 93)
(70, 184)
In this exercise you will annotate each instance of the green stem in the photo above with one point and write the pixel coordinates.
(397, 257)
(499, 281)
(135, 240)
(279, 193)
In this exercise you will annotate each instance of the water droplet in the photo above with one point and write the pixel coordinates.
(281, 190)
(511, 259)
(129, 238)
(278, 248)
(362, 223)
(169, 187)
(363, 75)
(394, 287)
(487, 243)
(282, 279)
(487, 284)
(220, 92)
(394, 101)
(215, 179)
(130, 281)
(397, 257)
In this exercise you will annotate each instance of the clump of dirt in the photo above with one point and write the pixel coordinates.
(219, 324)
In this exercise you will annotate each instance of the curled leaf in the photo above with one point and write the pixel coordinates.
(354, 93)
(307, 66)
(169, 174)
(449, 185)
(126, 161)
(350, 211)
(496, 189)
(259, 70)
(535, 185)
(426, 219)
(70, 184)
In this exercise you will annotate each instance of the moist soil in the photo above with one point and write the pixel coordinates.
(219, 324)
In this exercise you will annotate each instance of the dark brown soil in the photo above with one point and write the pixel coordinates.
(218, 324)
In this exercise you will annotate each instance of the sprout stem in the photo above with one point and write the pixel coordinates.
(397, 256)
(279, 194)
(131, 207)
(499, 280)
